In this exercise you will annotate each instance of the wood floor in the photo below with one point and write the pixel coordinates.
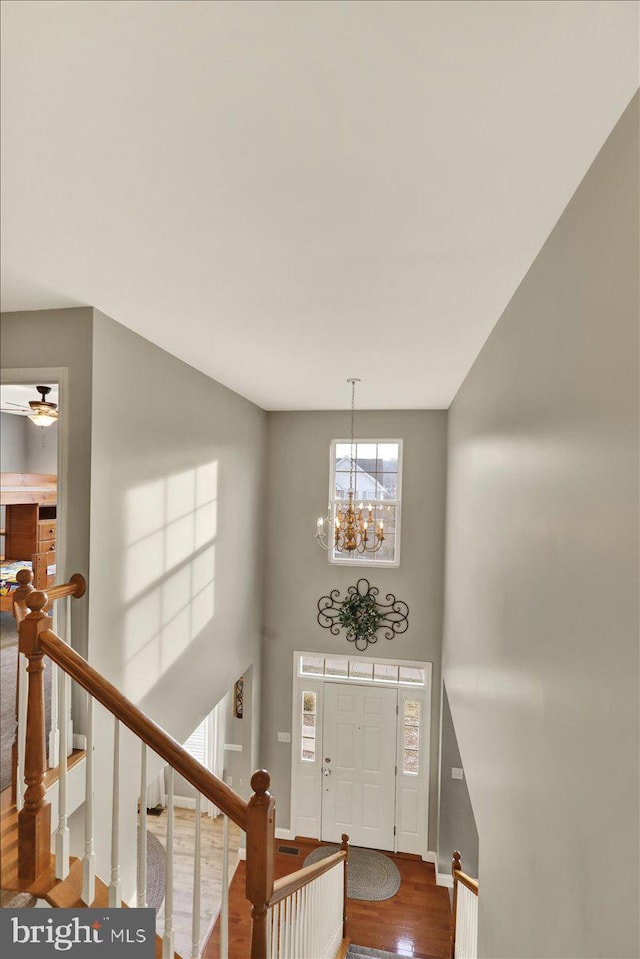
(414, 923)
(211, 871)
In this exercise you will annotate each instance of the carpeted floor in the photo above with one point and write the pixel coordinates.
(8, 673)
(371, 876)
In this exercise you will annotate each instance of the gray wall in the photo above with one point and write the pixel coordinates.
(298, 574)
(456, 822)
(13, 444)
(541, 634)
(13, 451)
(42, 447)
(62, 339)
(177, 506)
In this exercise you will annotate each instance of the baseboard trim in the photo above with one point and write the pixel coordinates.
(284, 834)
(79, 741)
(430, 856)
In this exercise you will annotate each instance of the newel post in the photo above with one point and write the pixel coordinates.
(34, 819)
(345, 848)
(261, 823)
(24, 578)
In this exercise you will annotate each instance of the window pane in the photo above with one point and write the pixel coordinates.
(384, 673)
(309, 702)
(388, 456)
(360, 670)
(312, 665)
(412, 713)
(343, 451)
(367, 487)
(410, 761)
(388, 485)
(336, 667)
(342, 485)
(366, 452)
(387, 516)
(409, 674)
(411, 737)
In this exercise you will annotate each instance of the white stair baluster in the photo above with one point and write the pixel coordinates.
(296, 924)
(89, 860)
(115, 892)
(62, 832)
(195, 922)
(54, 732)
(54, 736)
(224, 905)
(269, 919)
(282, 918)
(275, 912)
(167, 939)
(68, 679)
(23, 690)
(142, 831)
(286, 904)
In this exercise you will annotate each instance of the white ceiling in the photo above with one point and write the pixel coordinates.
(285, 194)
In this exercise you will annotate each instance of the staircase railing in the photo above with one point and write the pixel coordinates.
(464, 912)
(300, 915)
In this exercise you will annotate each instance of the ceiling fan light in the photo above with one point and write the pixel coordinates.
(43, 419)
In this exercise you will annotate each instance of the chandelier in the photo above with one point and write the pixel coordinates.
(353, 529)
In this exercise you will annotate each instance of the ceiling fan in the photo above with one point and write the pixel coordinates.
(41, 412)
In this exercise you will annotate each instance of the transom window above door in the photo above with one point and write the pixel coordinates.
(361, 670)
(374, 467)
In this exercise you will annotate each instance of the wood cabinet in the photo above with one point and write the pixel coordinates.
(30, 528)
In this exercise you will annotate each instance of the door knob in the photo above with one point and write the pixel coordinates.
(327, 772)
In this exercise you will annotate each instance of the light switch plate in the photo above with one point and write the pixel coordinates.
(457, 773)
(284, 737)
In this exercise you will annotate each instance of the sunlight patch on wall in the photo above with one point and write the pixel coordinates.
(169, 572)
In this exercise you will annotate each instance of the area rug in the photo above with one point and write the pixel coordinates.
(8, 672)
(371, 875)
(9, 899)
(156, 859)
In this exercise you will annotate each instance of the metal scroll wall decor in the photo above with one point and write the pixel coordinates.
(238, 698)
(361, 614)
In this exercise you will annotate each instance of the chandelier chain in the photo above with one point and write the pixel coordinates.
(353, 442)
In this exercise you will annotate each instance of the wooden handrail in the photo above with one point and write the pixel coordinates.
(471, 884)
(144, 728)
(77, 587)
(287, 885)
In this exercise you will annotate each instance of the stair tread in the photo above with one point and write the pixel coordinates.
(366, 952)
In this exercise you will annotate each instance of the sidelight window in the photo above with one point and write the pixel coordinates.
(309, 716)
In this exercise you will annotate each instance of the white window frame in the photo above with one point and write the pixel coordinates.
(362, 559)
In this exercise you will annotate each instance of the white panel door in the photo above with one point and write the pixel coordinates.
(358, 765)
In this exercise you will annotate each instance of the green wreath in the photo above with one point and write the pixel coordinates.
(360, 616)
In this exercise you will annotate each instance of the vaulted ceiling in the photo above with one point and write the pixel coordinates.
(285, 194)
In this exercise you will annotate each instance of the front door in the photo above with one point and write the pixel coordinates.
(358, 765)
